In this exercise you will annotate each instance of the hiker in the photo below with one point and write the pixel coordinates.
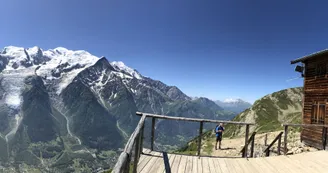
(218, 131)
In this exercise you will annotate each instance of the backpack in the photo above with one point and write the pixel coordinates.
(214, 131)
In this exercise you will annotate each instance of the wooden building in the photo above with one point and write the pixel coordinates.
(314, 69)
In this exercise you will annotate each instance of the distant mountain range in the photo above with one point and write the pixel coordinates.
(64, 110)
(234, 105)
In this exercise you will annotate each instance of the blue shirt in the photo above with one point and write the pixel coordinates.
(217, 129)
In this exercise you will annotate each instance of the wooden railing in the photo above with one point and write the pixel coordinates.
(324, 133)
(123, 163)
(278, 138)
(252, 141)
(201, 121)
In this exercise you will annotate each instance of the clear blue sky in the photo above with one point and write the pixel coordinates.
(217, 49)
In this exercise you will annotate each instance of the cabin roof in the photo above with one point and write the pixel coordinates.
(307, 57)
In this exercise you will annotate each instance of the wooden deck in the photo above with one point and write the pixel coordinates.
(152, 162)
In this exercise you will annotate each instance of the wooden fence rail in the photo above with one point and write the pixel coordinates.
(123, 163)
(278, 138)
(252, 141)
(324, 133)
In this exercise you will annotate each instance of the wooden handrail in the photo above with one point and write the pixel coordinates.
(123, 163)
(278, 138)
(250, 140)
(192, 119)
(324, 133)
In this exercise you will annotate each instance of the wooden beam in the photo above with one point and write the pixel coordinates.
(306, 125)
(252, 146)
(285, 140)
(200, 138)
(123, 162)
(267, 150)
(152, 134)
(129, 144)
(136, 154)
(141, 139)
(120, 164)
(246, 141)
(279, 145)
(192, 119)
(266, 140)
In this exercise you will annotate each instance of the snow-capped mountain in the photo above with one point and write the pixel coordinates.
(235, 105)
(71, 104)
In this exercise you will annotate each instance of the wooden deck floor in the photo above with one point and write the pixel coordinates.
(152, 162)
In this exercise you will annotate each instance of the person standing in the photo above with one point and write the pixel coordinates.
(219, 130)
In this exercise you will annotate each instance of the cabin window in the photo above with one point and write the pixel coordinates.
(318, 113)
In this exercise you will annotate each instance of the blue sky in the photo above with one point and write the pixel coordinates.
(216, 49)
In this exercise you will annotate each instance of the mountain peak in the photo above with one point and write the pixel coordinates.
(232, 100)
(120, 66)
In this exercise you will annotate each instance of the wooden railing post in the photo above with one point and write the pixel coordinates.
(324, 137)
(252, 146)
(136, 154)
(278, 138)
(285, 139)
(152, 134)
(246, 141)
(141, 139)
(200, 137)
(279, 145)
(266, 140)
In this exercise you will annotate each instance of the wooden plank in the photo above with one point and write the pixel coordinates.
(278, 162)
(212, 167)
(222, 164)
(230, 166)
(236, 165)
(171, 161)
(200, 138)
(154, 163)
(205, 164)
(285, 139)
(194, 164)
(260, 166)
(216, 165)
(274, 166)
(269, 165)
(152, 134)
(143, 163)
(183, 163)
(161, 167)
(192, 119)
(199, 165)
(176, 163)
(246, 166)
(311, 163)
(246, 141)
(189, 164)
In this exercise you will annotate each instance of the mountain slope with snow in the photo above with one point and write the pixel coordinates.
(234, 105)
(58, 106)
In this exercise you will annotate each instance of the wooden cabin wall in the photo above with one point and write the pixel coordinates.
(315, 89)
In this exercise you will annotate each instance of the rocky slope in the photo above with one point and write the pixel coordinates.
(60, 108)
(269, 112)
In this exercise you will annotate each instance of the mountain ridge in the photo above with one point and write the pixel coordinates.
(84, 103)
